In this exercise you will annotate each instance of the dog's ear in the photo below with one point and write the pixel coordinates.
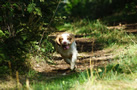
(57, 39)
(72, 38)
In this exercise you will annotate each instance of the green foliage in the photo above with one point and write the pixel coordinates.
(21, 27)
(98, 31)
(64, 82)
(94, 9)
(89, 27)
(119, 70)
(32, 8)
(122, 70)
(128, 60)
(61, 83)
(2, 33)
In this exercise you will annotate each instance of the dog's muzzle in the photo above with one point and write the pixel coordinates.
(65, 47)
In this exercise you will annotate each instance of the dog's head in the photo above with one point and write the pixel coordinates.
(65, 40)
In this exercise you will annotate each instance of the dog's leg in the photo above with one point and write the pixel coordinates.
(74, 58)
(67, 60)
(72, 65)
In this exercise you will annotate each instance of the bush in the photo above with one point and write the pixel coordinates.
(97, 8)
(22, 24)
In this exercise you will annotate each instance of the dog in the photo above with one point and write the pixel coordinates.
(66, 46)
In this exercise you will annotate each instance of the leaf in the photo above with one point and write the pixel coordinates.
(31, 7)
(15, 5)
(24, 37)
(42, 0)
(42, 49)
(99, 70)
(2, 33)
(38, 11)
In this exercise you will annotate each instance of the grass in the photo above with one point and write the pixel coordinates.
(59, 83)
(119, 74)
(98, 31)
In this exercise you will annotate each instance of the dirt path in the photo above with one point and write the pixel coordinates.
(88, 51)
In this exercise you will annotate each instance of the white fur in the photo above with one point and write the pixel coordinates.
(65, 35)
(72, 51)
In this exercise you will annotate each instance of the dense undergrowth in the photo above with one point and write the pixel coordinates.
(21, 28)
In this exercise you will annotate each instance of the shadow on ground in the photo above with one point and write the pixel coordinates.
(90, 52)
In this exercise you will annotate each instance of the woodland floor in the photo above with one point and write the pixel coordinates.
(90, 54)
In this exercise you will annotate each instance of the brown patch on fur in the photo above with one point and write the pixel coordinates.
(71, 38)
(59, 38)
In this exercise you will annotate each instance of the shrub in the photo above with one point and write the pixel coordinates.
(22, 24)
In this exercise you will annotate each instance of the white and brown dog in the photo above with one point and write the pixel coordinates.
(66, 46)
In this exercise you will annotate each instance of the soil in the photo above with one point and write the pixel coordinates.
(91, 54)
